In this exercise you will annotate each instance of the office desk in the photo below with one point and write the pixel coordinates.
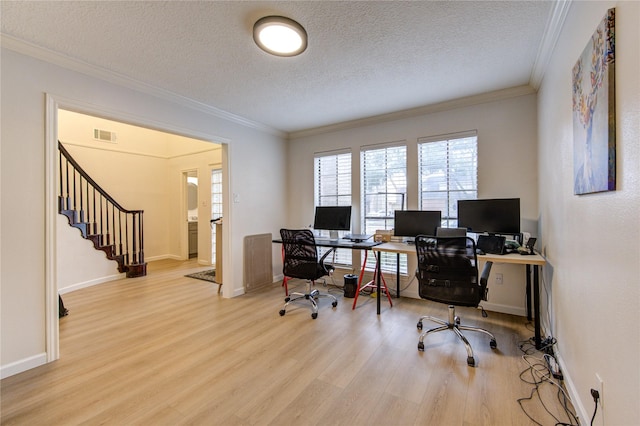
(535, 260)
(340, 243)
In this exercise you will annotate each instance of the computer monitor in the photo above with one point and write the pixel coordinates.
(493, 216)
(332, 218)
(411, 223)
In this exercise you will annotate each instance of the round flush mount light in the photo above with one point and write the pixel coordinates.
(280, 36)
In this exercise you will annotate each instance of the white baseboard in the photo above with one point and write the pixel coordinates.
(78, 286)
(23, 365)
(581, 412)
(504, 309)
(163, 257)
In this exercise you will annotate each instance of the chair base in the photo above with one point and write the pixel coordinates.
(453, 324)
(311, 296)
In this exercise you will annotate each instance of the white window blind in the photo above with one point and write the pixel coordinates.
(384, 189)
(448, 172)
(332, 187)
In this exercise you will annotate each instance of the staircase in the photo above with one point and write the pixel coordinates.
(116, 231)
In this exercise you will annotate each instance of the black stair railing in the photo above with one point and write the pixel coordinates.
(117, 231)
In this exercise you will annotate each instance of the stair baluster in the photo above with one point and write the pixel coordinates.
(93, 211)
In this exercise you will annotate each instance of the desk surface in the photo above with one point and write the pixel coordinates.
(340, 243)
(404, 248)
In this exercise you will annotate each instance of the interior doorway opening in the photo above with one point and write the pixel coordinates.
(57, 107)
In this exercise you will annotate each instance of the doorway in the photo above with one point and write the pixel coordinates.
(191, 190)
(54, 107)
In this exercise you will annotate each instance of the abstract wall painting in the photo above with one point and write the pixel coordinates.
(594, 121)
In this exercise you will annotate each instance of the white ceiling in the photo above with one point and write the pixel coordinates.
(365, 58)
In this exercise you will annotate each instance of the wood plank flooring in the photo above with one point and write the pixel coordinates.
(169, 350)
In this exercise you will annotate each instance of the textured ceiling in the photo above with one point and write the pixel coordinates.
(364, 58)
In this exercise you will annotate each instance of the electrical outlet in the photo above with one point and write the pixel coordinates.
(499, 278)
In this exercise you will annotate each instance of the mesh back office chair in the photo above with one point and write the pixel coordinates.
(448, 273)
(300, 260)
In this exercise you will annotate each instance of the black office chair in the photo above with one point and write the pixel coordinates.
(300, 260)
(448, 273)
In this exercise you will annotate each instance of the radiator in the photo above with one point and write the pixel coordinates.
(258, 269)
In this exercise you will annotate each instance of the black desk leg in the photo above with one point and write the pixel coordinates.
(378, 274)
(528, 292)
(536, 307)
(397, 275)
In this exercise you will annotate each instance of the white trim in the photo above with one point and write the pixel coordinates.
(91, 283)
(163, 257)
(332, 152)
(549, 40)
(52, 332)
(72, 64)
(23, 365)
(504, 309)
(383, 145)
(581, 411)
(53, 103)
(448, 136)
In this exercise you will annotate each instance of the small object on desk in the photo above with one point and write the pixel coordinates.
(382, 235)
(357, 238)
(528, 248)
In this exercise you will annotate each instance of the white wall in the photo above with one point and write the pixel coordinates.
(507, 167)
(591, 241)
(25, 81)
(80, 265)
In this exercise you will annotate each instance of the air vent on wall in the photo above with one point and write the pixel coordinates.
(104, 135)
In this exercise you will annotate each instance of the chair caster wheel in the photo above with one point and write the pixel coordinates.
(493, 344)
(334, 304)
(471, 361)
(419, 325)
(286, 299)
(282, 312)
(421, 346)
(314, 315)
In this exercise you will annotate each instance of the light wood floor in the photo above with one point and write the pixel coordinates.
(166, 349)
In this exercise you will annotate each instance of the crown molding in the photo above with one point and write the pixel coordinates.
(47, 55)
(550, 38)
(414, 112)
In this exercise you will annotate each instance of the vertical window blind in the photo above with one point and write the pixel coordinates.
(448, 172)
(332, 187)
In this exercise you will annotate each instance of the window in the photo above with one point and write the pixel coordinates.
(448, 172)
(384, 188)
(216, 208)
(332, 187)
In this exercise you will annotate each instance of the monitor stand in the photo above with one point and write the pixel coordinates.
(333, 235)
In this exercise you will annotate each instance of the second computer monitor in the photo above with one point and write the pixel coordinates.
(411, 223)
(332, 218)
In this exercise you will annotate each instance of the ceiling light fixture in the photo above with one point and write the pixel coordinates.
(280, 36)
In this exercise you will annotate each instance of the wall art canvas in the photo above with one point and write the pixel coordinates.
(594, 124)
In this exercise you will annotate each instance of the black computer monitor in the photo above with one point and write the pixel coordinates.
(411, 223)
(494, 216)
(332, 218)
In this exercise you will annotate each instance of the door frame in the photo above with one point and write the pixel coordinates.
(52, 104)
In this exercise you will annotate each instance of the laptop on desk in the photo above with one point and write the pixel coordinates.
(491, 244)
(357, 238)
